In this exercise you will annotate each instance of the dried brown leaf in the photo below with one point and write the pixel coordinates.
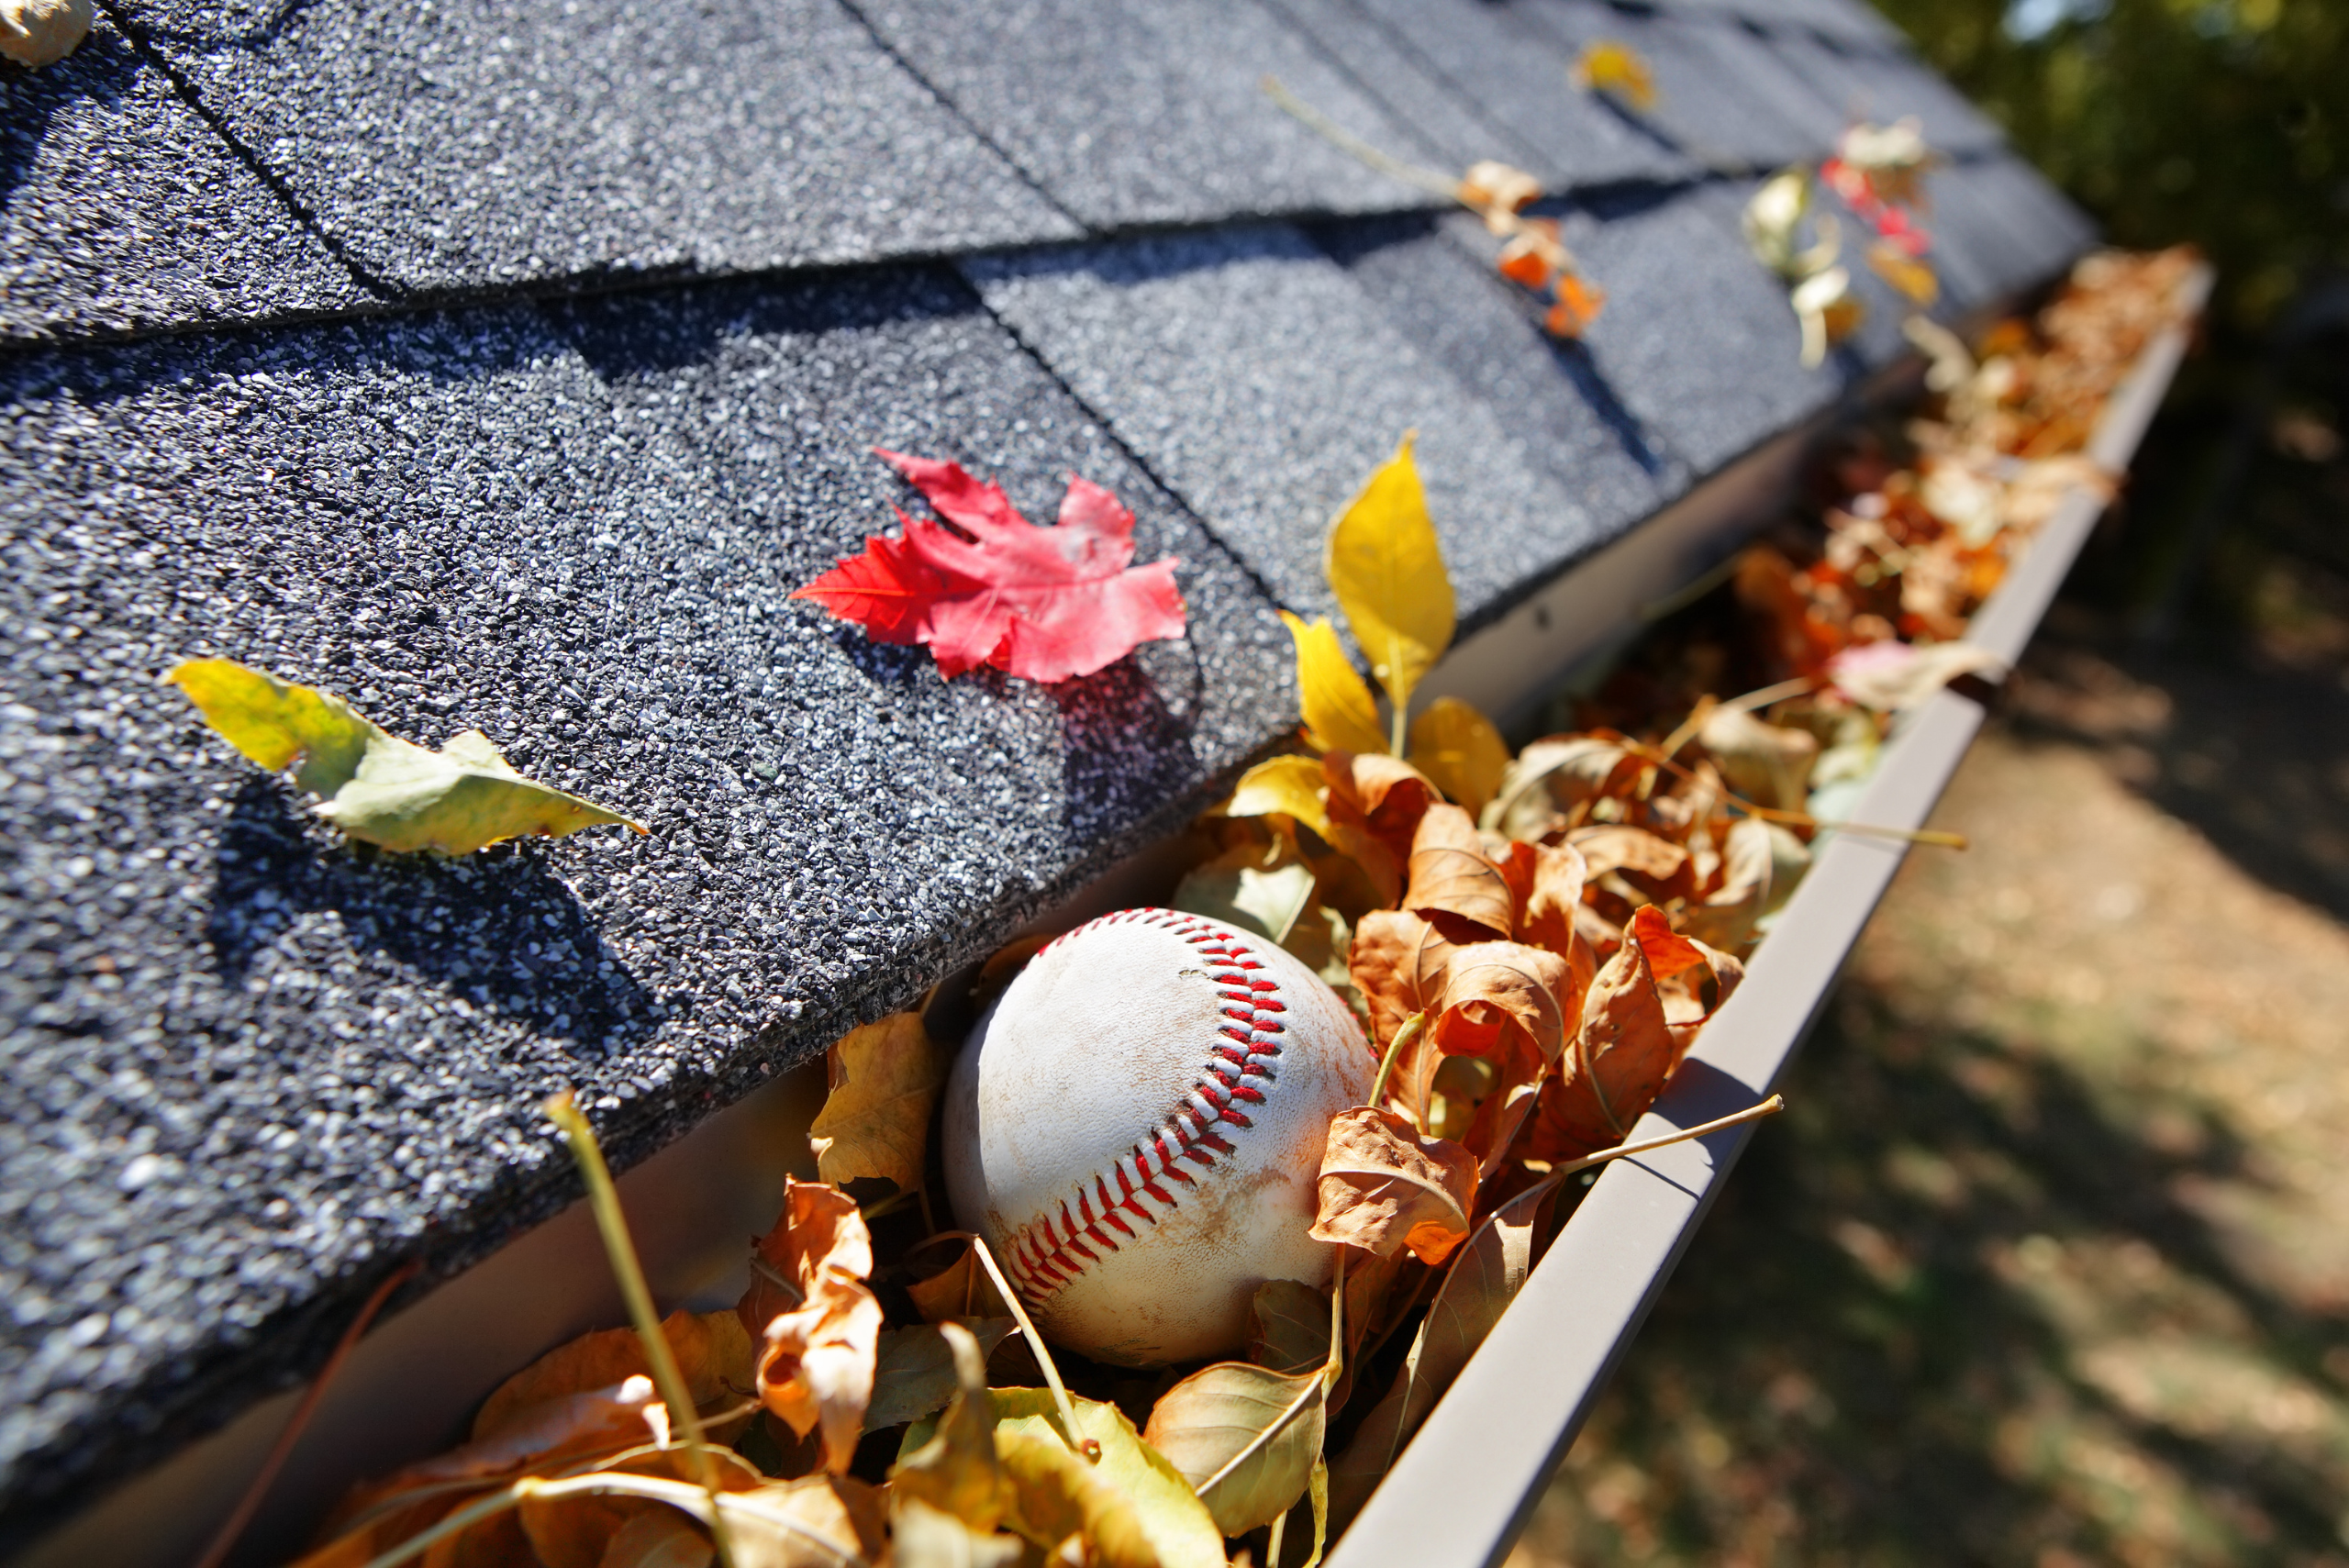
(816, 1366)
(885, 1079)
(1622, 1050)
(712, 1350)
(1450, 876)
(1384, 1187)
(1397, 962)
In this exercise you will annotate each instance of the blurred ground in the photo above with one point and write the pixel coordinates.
(2049, 1263)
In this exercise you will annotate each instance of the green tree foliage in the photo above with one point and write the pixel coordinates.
(2223, 122)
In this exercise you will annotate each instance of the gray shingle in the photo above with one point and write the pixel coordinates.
(1452, 123)
(1696, 337)
(1152, 111)
(1518, 74)
(250, 1063)
(1883, 85)
(1721, 95)
(469, 147)
(1436, 290)
(121, 211)
(1262, 386)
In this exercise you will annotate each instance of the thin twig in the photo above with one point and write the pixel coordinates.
(1082, 1444)
(1770, 1106)
(604, 1199)
(282, 1450)
(1403, 1035)
(1346, 140)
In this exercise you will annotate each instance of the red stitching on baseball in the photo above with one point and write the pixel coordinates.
(1042, 1260)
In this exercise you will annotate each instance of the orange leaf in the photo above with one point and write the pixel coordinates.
(1396, 962)
(1578, 303)
(1522, 262)
(712, 1351)
(1450, 876)
(1559, 873)
(1384, 1188)
(1507, 1001)
(817, 1363)
(962, 1289)
(1622, 1052)
(1635, 850)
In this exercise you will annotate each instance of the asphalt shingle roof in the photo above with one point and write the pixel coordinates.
(508, 366)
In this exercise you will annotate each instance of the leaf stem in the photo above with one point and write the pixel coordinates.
(282, 1450)
(1410, 1030)
(1770, 1106)
(621, 1252)
(530, 1488)
(1082, 1444)
(1273, 1542)
(1346, 140)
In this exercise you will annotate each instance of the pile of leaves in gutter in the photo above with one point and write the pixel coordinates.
(1534, 938)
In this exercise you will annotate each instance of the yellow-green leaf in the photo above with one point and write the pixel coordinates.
(1289, 787)
(884, 1080)
(1246, 1437)
(1388, 571)
(1289, 1327)
(1339, 713)
(956, 1471)
(1458, 748)
(1132, 1508)
(923, 1537)
(1239, 889)
(379, 788)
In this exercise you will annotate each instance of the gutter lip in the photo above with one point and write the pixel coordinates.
(1493, 1441)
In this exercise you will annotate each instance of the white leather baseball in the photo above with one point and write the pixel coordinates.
(1137, 1125)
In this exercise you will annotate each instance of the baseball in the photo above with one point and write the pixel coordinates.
(1136, 1127)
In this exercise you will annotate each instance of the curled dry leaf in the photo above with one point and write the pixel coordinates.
(924, 1537)
(1765, 763)
(1617, 847)
(1340, 712)
(1451, 877)
(1497, 189)
(1384, 1187)
(379, 788)
(1894, 677)
(1507, 1001)
(1374, 804)
(1245, 1438)
(713, 1351)
(816, 1368)
(1483, 1278)
(1458, 748)
(35, 33)
(1554, 777)
(885, 1079)
(1396, 962)
(1761, 864)
(818, 1521)
(1622, 1050)
(1388, 571)
(1551, 903)
(992, 588)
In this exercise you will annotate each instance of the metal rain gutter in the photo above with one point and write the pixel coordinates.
(1493, 1441)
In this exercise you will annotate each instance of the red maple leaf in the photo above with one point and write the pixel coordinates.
(990, 587)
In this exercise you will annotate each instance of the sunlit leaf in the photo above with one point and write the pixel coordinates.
(924, 1537)
(1290, 786)
(1384, 1187)
(816, 1366)
(1767, 763)
(1449, 874)
(885, 1080)
(1388, 575)
(1621, 1054)
(1913, 277)
(1617, 70)
(962, 1289)
(378, 788)
(1340, 714)
(1239, 889)
(1244, 1437)
(1460, 751)
(713, 1351)
(35, 33)
(955, 1469)
(1496, 191)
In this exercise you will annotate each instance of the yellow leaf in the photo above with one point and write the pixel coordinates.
(1459, 748)
(1245, 1437)
(956, 1471)
(379, 788)
(712, 1350)
(884, 1080)
(1291, 786)
(1607, 66)
(1339, 713)
(1388, 571)
(1915, 278)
